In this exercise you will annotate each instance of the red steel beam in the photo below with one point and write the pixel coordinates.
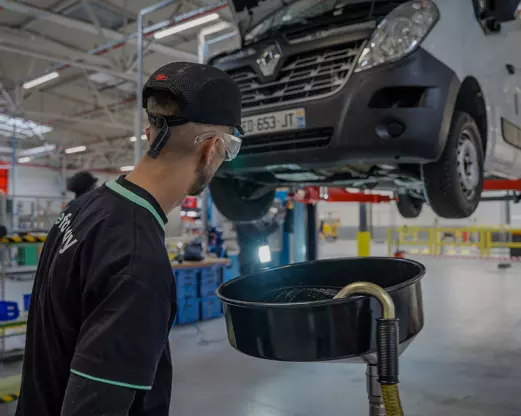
(312, 194)
(502, 185)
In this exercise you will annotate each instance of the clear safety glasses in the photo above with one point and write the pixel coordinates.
(232, 144)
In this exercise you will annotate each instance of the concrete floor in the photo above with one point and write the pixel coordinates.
(464, 363)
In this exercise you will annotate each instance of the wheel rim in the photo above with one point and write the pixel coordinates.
(468, 165)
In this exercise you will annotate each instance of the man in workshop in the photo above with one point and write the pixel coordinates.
(81, 183)
(104, 296)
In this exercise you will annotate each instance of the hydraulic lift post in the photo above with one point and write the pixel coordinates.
(363, 236)
(311, 232)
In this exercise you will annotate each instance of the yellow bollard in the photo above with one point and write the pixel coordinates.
(481, 243)
(364, 243)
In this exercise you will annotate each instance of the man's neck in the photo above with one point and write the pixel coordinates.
(168, 193)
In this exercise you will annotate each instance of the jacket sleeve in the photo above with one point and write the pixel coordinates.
(84, 397)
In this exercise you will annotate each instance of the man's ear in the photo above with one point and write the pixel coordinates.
(209, 149)
(147, 133)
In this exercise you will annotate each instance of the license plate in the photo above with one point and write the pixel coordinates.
(273, 122)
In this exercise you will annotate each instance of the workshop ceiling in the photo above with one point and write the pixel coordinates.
(87, 51)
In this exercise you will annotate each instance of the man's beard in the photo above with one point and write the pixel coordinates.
(203, 176)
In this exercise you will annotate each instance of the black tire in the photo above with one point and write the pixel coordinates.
(454, 183)
(231, 197)
(409, 206)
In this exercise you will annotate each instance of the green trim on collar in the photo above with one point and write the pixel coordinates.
(114, 383)
(136, 199)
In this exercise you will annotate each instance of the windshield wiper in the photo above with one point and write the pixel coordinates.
(275, 29)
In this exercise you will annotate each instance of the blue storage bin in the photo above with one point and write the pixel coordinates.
(186, 281)
(210, 308)
(209, 281)
(9, 311)
(188, 311)
(210, 273)
(208, 288)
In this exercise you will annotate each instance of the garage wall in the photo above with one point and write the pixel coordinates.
(386, 215)
(41, 181)
(34, 181)
(515, 214)
(488, 213)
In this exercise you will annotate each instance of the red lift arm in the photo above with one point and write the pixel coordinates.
(502, 185)
(312, 194)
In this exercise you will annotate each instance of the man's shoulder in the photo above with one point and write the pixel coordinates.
(114, 226)
(108, 209)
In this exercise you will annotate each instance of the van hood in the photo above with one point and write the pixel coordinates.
(249, 13)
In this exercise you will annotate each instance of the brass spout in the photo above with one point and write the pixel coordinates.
(366, 288)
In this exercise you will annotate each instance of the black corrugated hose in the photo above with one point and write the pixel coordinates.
(387, 348)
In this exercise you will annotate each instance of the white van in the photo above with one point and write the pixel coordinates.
(421, 97)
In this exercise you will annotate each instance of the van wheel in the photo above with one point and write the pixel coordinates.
(240, 200)
(454, 183)
(408, 206)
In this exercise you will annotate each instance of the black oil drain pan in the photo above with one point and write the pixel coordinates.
(289, 314)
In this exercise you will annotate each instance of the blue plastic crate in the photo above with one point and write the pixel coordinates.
(208, 288)
(209, 281)
(211, 273)
(188, 311)
(187, 283)
(210, 308)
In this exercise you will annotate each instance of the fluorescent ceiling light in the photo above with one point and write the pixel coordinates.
(76, 149)
(126, 168)
(143, 137)
(40, 80)
(186, 25)
(34, 151)
(210, 30)
(21, 128)
(25, 159)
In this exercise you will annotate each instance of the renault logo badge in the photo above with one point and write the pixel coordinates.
(268, 60)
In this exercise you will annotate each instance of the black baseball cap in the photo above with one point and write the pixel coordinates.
(205, 94)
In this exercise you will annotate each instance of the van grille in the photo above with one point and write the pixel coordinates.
(308, 75)
(300, 139)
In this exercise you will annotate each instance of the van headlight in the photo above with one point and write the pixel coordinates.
(400, 33)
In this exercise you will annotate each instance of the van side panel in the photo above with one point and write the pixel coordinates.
(459, 41)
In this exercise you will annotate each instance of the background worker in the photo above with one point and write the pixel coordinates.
(104, 295)
(81, 183)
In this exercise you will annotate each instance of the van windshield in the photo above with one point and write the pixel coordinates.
(298, 12)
